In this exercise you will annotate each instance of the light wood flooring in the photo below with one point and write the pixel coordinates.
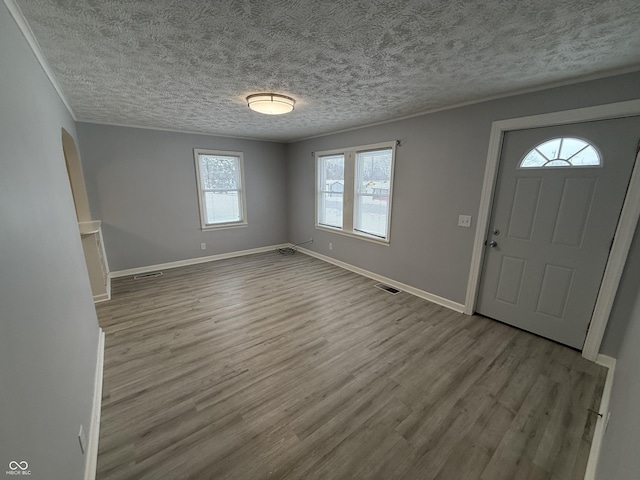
(286, 367)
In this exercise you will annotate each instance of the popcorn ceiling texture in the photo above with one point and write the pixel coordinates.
(188, 65)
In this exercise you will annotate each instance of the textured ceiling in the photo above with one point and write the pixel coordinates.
(188, 64)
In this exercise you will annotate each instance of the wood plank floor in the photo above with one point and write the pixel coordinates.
(286, 367)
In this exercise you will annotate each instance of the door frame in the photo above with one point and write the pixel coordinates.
(624, 232)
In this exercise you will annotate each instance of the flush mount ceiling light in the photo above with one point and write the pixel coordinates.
(270, 103)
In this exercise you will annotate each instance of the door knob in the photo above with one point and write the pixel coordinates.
(493, 244)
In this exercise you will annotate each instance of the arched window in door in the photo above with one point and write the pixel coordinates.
(562, 152)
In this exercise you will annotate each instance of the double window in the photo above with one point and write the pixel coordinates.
(221, 191)
(354, 190)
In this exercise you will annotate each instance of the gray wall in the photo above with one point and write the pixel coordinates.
(621, 314)
(142, 185)
(439, 175)
(48, 326)
(619, 457)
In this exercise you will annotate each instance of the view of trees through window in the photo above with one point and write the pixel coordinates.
(218, 172)
(376, 166)
(562, 152)
(220, 178)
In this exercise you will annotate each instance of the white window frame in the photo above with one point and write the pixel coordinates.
(348, 197)
(242, 197)
(320, 190)
(562, 138)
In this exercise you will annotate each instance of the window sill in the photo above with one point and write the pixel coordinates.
(360, 236)
(223, 226)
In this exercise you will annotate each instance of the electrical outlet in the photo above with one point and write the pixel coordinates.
(82, 439)
(203, 246)
(464, 221)
(330, 246)
(311, 239)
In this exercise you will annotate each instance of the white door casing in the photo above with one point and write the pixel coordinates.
(624, 232)
(552, 226)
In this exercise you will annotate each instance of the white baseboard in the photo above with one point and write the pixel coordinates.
(601, 424)
(445, 302)
(94, 431)
(105, 296)
(101, 298)
(193, 261)
(606, 361)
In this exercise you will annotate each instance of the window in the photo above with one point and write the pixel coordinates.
(562, 152)
(331, 190)
(373, 186)
(354, 190)
(221, 193)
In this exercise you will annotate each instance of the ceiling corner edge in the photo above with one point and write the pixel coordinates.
(24, 27)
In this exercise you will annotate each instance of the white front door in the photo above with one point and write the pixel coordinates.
(558, 198)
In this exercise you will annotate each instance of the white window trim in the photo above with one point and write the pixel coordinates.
(349, 193)
(243, 195)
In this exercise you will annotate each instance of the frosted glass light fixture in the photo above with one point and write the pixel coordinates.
(270, 103)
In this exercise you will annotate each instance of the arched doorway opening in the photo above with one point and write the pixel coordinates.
(90, 230)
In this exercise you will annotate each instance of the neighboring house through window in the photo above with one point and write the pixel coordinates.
(354, 190)
(221, 191)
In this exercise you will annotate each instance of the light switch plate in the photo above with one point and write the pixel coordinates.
(464, 221)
